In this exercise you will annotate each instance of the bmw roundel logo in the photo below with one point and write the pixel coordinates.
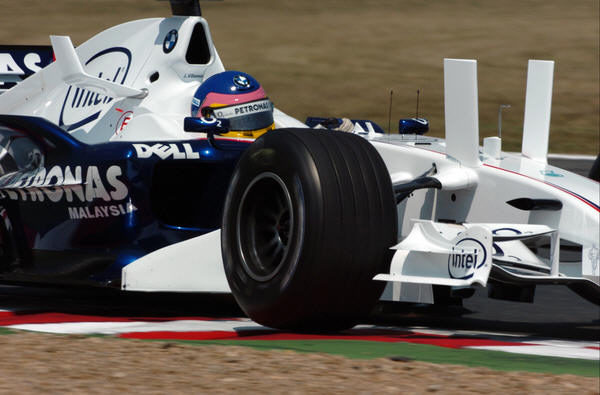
(170, 41)
(241, 82)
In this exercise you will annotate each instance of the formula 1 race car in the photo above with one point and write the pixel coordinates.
(106, 180)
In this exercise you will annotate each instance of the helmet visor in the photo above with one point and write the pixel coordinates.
(249, 116)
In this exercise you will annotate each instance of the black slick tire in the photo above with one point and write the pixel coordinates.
(308, 221)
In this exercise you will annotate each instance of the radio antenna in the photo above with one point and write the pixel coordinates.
(390, 112)
(418, 92)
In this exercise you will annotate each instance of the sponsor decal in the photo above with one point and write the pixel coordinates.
(243, 109)
(193, 76)
(506, 231)
(72, 184)
(550, 173)
(467, 256)
(497, 250)
(114, 210)
(241, 82)
(123, 121)
(31, 63)
(82, 106)
(211, 121)
(18, 62)
(503, 232)
(164, 151)
(362, 127)
(8, 66)
(170, 41)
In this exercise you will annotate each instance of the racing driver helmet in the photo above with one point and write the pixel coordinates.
(237, 97)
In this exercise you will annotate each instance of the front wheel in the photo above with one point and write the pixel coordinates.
(308, 221)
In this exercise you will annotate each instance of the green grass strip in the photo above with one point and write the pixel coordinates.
(6, 331)
(497, 360)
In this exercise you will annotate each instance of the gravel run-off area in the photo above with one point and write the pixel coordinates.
(36, 363)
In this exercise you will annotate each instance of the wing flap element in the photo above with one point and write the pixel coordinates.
(442, 254)
(461, 255)
(73, 73)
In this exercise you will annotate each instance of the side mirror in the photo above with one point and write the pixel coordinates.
(413, 126)
(210, 126)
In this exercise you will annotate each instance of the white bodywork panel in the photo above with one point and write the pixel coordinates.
(538, 105)
(461, 109)
(194, 265)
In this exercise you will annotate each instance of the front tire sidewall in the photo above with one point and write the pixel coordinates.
(282, 286)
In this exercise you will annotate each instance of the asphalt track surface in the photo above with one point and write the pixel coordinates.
(556, 312)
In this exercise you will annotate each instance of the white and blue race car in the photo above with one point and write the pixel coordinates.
(106, 180)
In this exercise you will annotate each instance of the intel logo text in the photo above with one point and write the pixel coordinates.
(467, 256)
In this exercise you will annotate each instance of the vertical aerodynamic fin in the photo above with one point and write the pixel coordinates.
(72, 72)
(538, 105)
(461, 111)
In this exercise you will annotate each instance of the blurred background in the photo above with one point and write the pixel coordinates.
(342, 57)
